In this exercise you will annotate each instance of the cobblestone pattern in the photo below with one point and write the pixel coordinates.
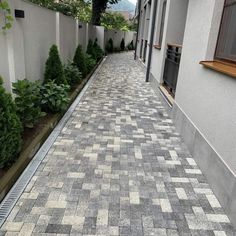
(118, 168)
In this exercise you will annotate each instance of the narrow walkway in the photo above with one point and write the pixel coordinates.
(118, 168)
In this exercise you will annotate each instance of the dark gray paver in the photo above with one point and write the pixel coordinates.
(118, 168)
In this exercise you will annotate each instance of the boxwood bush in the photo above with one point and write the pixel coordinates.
(90, 62)
(122, 45)
(28, 102)
(109, 46)
(97, 51)
(54, 68)
(79, 61)
(10, 129)
(131, 45)
(90, 50)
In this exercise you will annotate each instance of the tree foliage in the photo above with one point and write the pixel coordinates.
(114, 20)
(54, 69)
(10, 129)
(80, 9)
(79, 61)
(98, 8)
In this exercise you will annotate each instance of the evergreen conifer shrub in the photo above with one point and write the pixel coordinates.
(79, 61)
(98, 51)
(54, 69)
(90, 49)
(90, 63)
(10, 129)
(122, 44)
(109, 46)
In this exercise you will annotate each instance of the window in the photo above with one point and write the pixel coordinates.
(226, 46)
(162, 23)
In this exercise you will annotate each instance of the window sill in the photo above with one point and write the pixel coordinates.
(157, 46)
(221, 67)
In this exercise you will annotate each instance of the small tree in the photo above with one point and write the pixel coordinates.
(79, 60)
(54, 68)
(98, 51)
(131, 45)
(10, 129)
(90, 49)
(109, 46)
(99, 7)
(122, 45)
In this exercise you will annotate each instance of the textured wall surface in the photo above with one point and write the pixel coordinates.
(213, 112)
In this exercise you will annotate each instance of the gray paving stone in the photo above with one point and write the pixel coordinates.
(119, 167)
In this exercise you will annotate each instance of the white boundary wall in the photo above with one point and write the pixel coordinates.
(117, 35)
(25, 47)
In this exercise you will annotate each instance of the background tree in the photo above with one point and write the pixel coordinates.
(80, 9)
(114, 20)
(98, 8)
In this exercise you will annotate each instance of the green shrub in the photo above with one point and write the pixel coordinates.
(97, 50)
(79, 61)
(10, 129)
(94, 50)
(131, 45)
(109, 46)
(72, 74)
(54, 68)
(28, 102)
(54, 97)
(91, 50)
(90, 63)
(122, 44)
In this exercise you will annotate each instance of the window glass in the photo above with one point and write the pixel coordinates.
(226, 47)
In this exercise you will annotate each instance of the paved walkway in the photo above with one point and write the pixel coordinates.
(118, 168)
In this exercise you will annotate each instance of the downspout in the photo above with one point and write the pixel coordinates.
(139, 15)
(151, 40)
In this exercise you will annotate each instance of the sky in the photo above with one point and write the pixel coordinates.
(133, 1)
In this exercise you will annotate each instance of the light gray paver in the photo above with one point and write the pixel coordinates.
(118, 168)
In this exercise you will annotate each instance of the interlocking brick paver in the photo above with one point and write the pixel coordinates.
(119, 168)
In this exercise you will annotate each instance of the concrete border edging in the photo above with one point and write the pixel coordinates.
(218, 174)
(18, 188)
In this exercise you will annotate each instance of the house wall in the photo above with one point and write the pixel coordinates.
(175, 20)
(141, 30)
(205, 107)
(205, 104)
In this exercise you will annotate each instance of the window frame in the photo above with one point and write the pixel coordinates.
(217, 57)
(162, 26)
